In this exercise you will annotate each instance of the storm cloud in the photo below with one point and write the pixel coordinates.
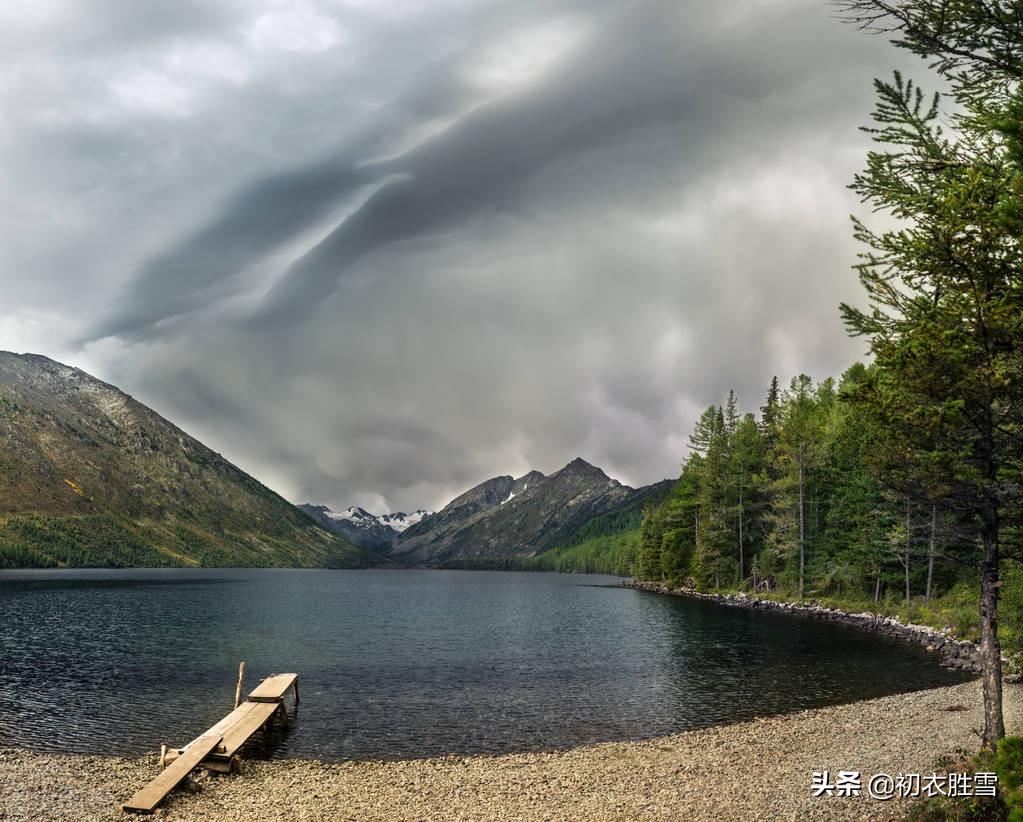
(375, 252)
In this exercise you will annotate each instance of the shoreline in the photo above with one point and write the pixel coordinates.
(956, 654)
(757, 769)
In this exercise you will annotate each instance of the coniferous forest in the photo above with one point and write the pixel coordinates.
(799, 496)
(902, 480)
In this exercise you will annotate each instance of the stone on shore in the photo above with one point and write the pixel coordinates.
(756, 770)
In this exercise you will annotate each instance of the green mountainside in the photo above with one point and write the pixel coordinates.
(606, 544)
(90, 477)
(525, 517)
(610, 554)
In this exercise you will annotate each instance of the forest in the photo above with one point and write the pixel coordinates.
(906, 475)
(801, 499)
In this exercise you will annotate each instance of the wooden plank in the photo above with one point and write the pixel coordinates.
(146, 800)
(235, 729)
(221, 728)
(210, 763)
(273, 688)
(232, 719)
(239, 733)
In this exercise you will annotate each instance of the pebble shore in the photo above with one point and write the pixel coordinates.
(756, 770)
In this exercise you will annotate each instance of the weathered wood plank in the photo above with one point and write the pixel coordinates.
(146, 800)
(273, 688)
(233, 718)
(220, 728)
(239, 733)
(235, 729)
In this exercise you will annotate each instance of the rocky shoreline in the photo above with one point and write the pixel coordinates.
(759, 769)
(960, 655)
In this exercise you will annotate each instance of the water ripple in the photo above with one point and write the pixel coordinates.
(409, 663)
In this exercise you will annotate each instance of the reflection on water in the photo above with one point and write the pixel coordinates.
(409, 663)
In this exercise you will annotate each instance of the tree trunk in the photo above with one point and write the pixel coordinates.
(877, 587)
(930, 554)
(990, 649)
(742, 562)
(909, 541)
(802, 532)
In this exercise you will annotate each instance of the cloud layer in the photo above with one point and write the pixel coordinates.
(376, 252)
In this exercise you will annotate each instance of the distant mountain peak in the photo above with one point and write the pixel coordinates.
(583, 468)
(504, 516)
(363, 528)
(399, 520)
(531, 477)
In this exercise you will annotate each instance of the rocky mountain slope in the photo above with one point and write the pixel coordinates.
(90, 477)
(508, 517)
(400, 521)
(362, 528)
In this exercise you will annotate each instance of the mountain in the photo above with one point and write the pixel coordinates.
(400, 521)
(362, 528)
(622, 519)
(508, 517)
(91, 477)
(607, 544)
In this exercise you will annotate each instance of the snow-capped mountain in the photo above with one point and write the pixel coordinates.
(400, 521)
(363, 528)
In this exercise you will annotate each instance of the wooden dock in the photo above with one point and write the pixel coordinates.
(217, 748)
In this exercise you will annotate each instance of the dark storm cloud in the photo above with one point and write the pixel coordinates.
(633, 71)
(471, 165)
(474, 163)
(375, 252)
(255, 223)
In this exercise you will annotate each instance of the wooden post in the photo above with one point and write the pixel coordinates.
(241, 680)
(163, 756)
(296, 692)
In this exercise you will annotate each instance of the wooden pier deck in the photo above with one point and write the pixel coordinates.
(273, 688)
(216, 749)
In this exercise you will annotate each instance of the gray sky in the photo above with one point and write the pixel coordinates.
(376, 251)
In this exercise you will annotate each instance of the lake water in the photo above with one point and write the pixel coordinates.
(409, 663)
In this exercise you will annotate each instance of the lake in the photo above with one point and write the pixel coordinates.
(397, 664)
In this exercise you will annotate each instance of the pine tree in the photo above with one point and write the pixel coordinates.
(731, 414)
(714, 542)
(945, 285)
(770, 414)
(747, 470)
(648, 556)
(703, 431)
(798, 451)
(679, 515)
(858, 517)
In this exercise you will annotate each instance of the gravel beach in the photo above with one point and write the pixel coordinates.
(757, 770)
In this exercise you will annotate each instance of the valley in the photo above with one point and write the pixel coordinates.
(90, 477)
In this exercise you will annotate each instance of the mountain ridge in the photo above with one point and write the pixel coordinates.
(91, 476)
(515, 517)
(358, 526)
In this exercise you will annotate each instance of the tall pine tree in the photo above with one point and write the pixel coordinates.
(945, 285)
